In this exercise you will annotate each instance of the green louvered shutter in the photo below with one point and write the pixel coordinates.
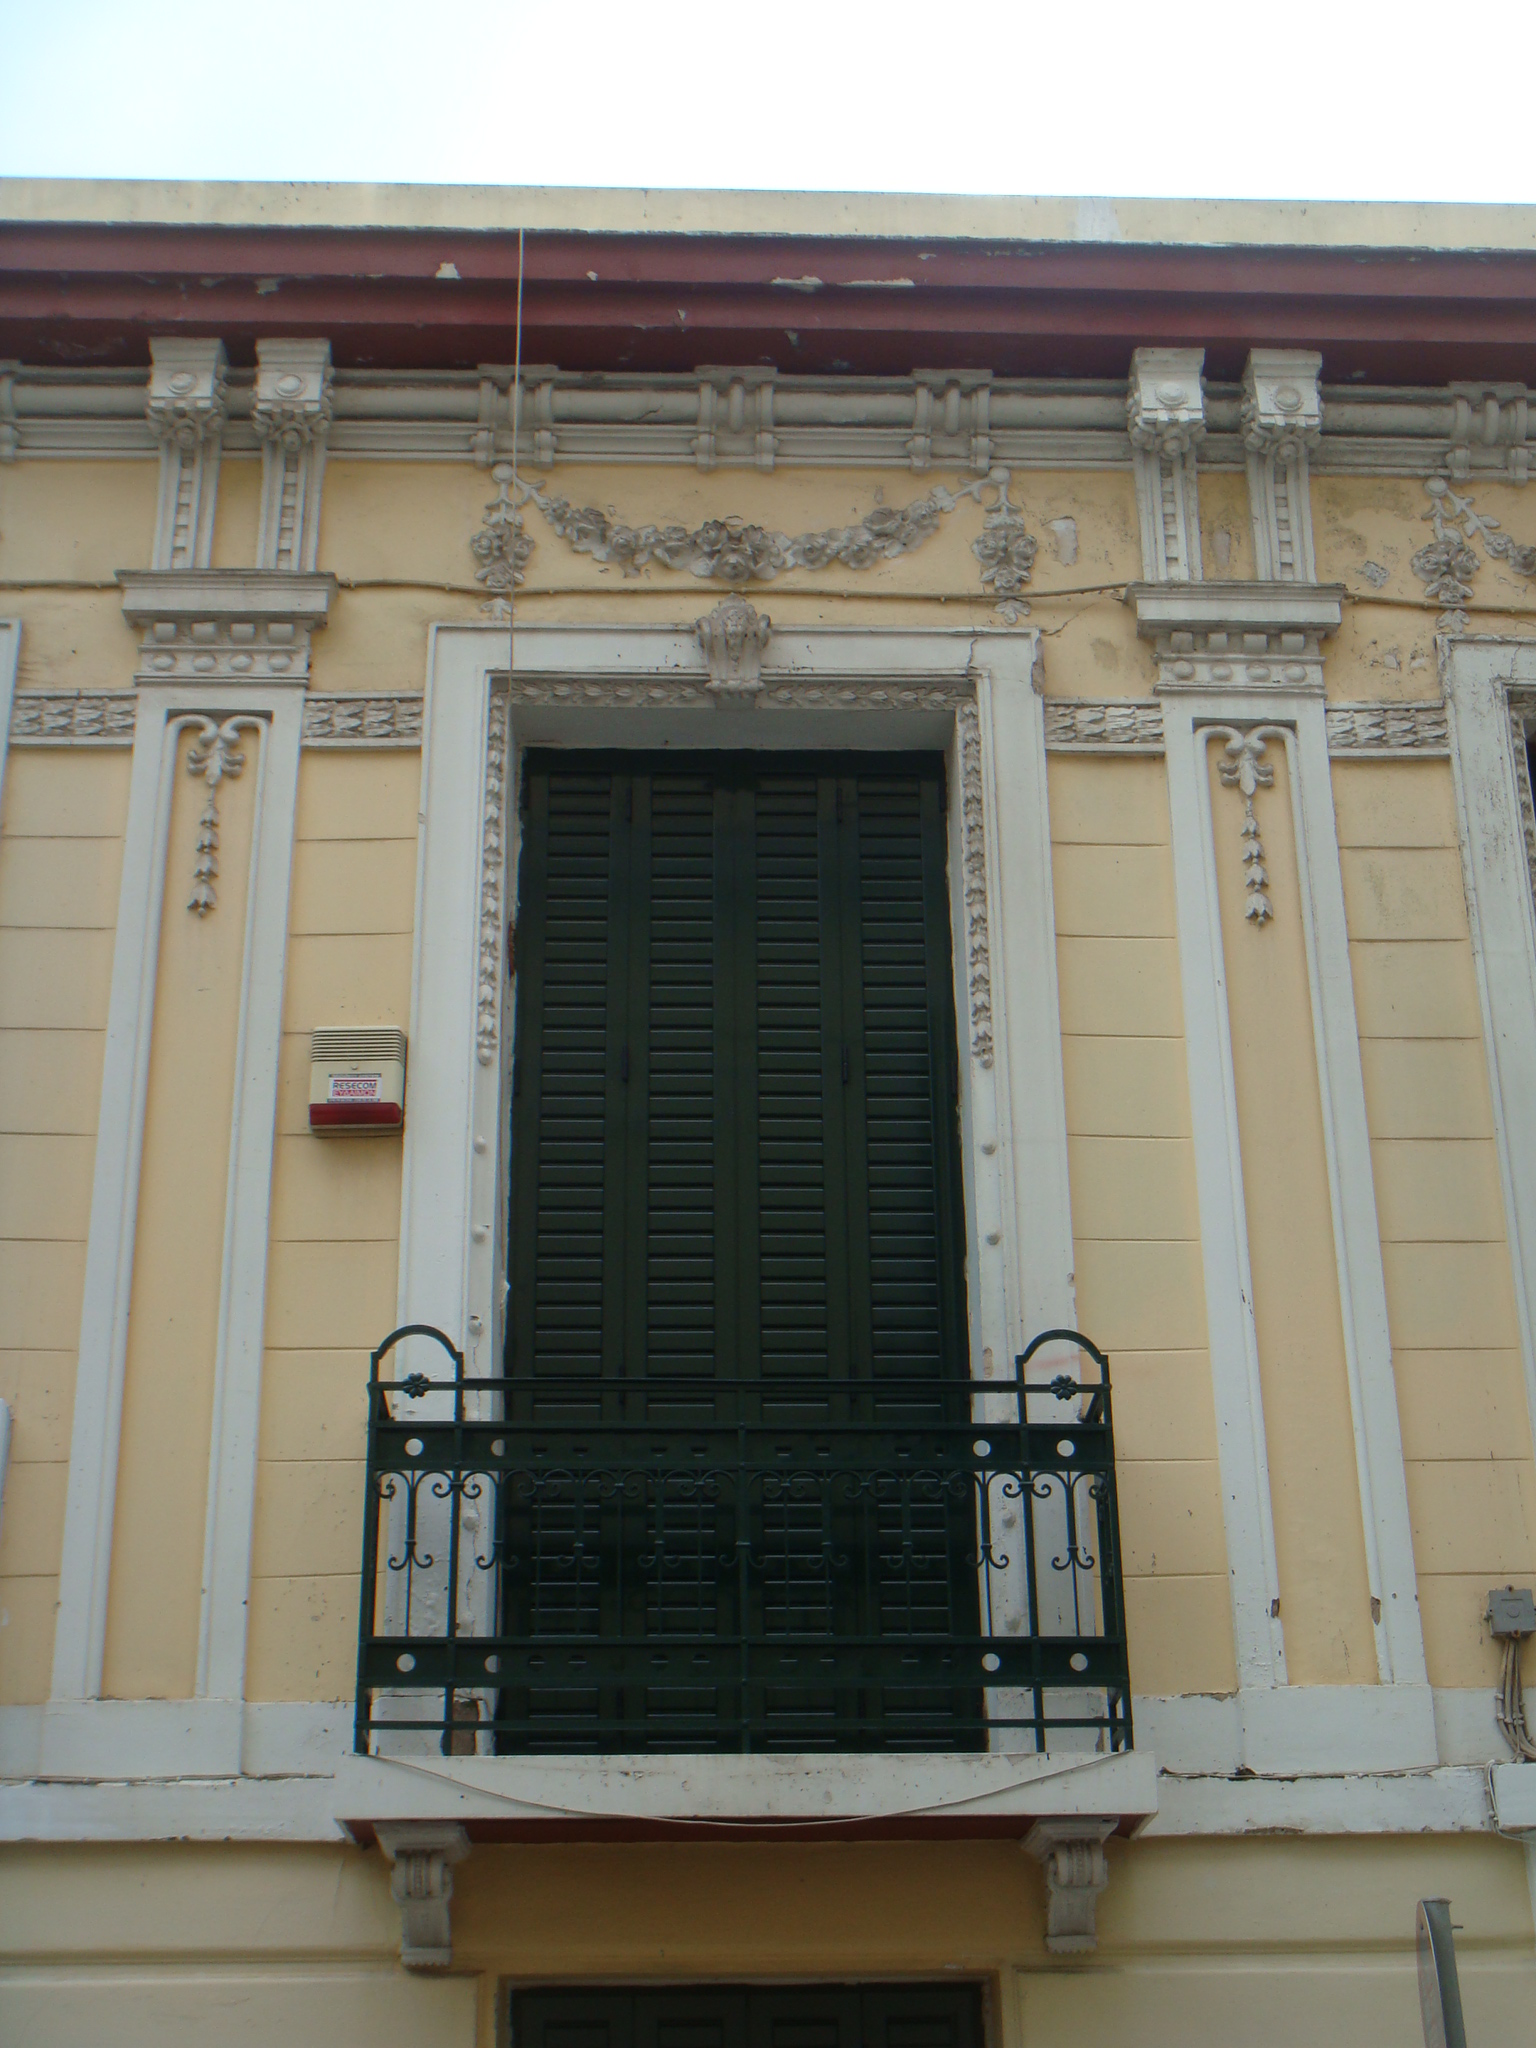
(734, 1167)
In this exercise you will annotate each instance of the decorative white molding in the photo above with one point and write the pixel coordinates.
(492, 875)
(1074, 725)
(1071, 1853)
(73, 717)
(1487, 685)
(733, 637)
(291, 413)
(1243, 767)
(1282, 422)
(214, 755)
(978, 956)
(186, 410)
(392, 721)
(1206, 695)
(1165, 407)
(421, 1856)
(1489, 431)
(224, 625)
(1447, 565)
(270, 714)
(10, 657)
(753, 419)
(1387, 729)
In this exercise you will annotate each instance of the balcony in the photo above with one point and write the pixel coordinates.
(581, 1566)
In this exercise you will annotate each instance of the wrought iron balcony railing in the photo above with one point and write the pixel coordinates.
(681, 1565)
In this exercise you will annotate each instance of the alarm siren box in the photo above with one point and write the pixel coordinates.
(356, 1082)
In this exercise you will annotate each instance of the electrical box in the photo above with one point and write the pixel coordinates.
(1511, 1611)
(356, 1083)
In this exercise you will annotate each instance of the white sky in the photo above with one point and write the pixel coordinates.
(1296, 99)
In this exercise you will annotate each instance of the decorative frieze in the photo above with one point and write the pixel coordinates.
(733, 550)
(62, 717)
(186, 410)
(1282, 417)
(392, 721)
(1075, 725)
(291, 413)
(232, 625)
(1387, 729)
(1165, 412)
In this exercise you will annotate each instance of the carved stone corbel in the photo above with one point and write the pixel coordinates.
(1165, 417)
(1282, 416)
(291, 413)
(1071, 1852)
(186, 412)
(422, 1855)
(733, 637)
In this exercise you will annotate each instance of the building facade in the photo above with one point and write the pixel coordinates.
(562, 794)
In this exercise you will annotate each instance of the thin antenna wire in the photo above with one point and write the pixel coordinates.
(517, 427)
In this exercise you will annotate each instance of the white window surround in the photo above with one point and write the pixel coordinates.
(1238, 657)
(649, 686)
(1490, 691)
(76, 1734)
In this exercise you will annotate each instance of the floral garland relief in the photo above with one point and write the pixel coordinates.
(1447, 564)
(734, 551)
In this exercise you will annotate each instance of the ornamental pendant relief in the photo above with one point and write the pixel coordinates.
(213, 755)
(1242, 767)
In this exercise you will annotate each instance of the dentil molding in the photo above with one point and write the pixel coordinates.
(1228, 636)
(224, 625)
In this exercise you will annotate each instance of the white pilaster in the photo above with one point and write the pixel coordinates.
(267, 717)
(1282, 417)
(1244, 663)
(292, 416)
(10, 657)
(1165, 414)
(186, 411)
(1481, 676)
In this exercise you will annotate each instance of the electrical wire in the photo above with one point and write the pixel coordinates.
(1509, 1711)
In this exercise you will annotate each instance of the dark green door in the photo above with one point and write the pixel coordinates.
(752, 2016)
(735, 1206)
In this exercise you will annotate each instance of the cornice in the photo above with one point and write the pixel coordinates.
(1236, 609)
(230, 625)
(750, 418)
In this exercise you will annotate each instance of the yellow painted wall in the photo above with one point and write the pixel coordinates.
(1140, 1291)
(60, 859)
(1325, 1597)
(1450, 1299)
(1257, 1941)
(331, 1283)
(65, 529)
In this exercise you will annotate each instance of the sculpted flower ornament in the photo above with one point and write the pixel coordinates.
(1447, 564)
(737, 551)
